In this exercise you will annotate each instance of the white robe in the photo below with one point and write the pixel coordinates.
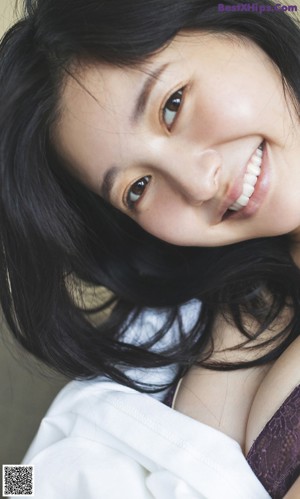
(101, 440)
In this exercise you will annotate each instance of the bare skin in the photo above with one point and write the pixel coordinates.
(239, 403)
(223, 399)
(279, 382)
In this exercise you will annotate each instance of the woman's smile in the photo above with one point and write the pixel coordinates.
(246, 195)
(253, 170)
(199, 145)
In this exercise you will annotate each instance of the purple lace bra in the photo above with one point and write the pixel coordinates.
(275, 454)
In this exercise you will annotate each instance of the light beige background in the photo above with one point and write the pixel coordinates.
(24, 394)
(7, 14)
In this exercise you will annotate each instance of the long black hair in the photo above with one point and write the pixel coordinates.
(58, 237)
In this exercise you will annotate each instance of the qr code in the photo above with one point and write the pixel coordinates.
(18, 480)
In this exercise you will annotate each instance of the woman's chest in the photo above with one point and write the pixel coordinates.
(221, 399)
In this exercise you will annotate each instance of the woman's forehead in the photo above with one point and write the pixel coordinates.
(106, 84)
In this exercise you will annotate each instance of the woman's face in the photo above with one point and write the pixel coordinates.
(198, 145)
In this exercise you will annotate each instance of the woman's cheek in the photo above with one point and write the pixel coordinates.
(172, 221)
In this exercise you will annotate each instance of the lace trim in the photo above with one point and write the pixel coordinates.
(275, 454)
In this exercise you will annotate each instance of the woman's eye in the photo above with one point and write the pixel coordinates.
(136, 191)
(171, 108)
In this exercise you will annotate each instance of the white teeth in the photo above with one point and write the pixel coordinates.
(248, 190)
(250, 179)
(235, 207)
(242, 200)
(256, 160)
(254, 169)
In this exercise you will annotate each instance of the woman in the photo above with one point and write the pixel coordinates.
(141, 144)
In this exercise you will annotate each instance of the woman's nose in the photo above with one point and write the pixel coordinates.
(196, 176)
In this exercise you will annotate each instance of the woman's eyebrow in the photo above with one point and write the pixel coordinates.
(108, 182)
(144, 95)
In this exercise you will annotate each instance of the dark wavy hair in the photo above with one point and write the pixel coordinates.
(56, 233)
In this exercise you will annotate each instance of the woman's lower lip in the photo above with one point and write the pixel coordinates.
(260, 192)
